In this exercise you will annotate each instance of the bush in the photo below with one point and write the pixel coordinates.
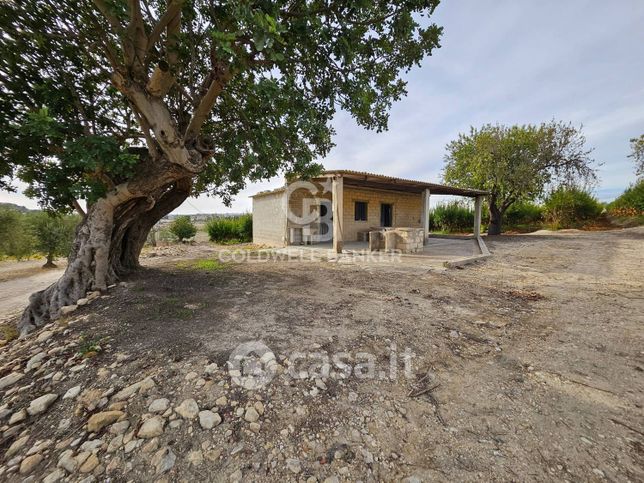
(233, 229)
(183, 228)
(567, 207)
(454, 216)
(630, 202)
(523, 213)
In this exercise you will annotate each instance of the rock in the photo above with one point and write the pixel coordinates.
(131, 445)
(208, 419)
(18, 417)
(72, 392)
(353, 397)
(92, 445)
(195, 457)
(10, 379)
(191, 375)
(332, 479)
(251, 415)
(151, 445)
(54, 477)
(213, 454)
(44, 336)
(16, 446)
(39, 447)
(115, 443)
(159, 405)
(64, 424)
(67, 309)
(152, 427)
(99, 420)
(120, 427)
(293, 464)
(236, 476)
(221, 401)
(163, 460)
(140, 386)
(367, 456)
(36, 361)
(210, 369)
(30, 463)
(90, 463)
(41, 404)
(67, 461)
(188, 409)
(255, 427)
(83, 301)
(90, 398)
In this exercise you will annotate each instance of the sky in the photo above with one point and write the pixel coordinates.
(500, 61)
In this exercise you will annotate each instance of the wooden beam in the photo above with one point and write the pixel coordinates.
(337, 191)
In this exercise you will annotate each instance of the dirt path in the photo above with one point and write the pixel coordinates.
(15, 292)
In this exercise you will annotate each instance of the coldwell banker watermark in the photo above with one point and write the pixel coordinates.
(253, 365)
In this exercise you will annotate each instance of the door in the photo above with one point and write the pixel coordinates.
(386, 214)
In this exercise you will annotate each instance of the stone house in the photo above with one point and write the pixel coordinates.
(343, 206)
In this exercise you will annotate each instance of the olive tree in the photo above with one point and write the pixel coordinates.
(517, 163)
(132, 106)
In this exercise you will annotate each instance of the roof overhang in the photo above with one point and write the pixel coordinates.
(361, 179)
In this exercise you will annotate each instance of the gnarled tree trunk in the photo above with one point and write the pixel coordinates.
(108, 243)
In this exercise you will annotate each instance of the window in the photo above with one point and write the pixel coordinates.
(361, 211)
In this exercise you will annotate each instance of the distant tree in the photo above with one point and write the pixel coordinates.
(15, 237)
(517, 163)
(637, 153)
(53, 235)
(183, 228)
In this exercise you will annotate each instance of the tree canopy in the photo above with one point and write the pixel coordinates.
(517, 163)
(249, 87)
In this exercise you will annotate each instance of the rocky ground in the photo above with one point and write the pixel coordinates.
(526, 367)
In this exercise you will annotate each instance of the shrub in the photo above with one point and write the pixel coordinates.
(567, 207)
(523, 213)
(52, 235)
(183, 228)
(630, 202)
(453, 216)
(233, 229)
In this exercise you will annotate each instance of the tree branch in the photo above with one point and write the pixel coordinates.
(174, 8)
(206, 104)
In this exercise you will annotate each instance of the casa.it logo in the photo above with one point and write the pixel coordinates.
(252, 365)
(316, 209)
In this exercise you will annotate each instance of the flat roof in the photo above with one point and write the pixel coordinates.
(363, 179)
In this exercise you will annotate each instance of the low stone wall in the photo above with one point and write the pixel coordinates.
(406, 240)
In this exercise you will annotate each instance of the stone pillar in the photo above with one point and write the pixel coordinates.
(286, 237)
(425, 213)
(337, 195)
(477, 216)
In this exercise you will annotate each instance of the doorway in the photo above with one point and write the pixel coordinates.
(386, 214)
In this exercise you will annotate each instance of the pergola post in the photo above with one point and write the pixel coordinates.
(478, 201)
(425, 214)
(337, 191)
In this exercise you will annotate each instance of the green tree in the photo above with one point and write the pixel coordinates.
(183, 228)
(133, 106)
(637, 153)
(53, 235)
(517, 163)
(567, 206)
(15, 237)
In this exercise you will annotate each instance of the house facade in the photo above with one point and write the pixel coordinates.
(348, 206)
